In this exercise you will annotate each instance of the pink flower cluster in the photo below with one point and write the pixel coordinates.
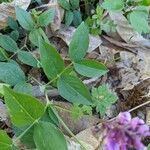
(124, 133)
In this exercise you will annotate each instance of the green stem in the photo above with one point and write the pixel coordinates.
(15, 53)
(59, 75)
(24, 132)
(69, 131)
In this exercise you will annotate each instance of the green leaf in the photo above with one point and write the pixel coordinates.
(24, 19)
(90, 68)
(68, 18)
(5, 141)
(53, 115)
(99, 11)
(103, 98)
(14, 35)
(23, 87)
(48, 137)
(146, 2)
(11, 73)
(148, 147)
(44, 36)
(73, 89)
(50, 115)
(3, 54)
(74, 4)
(139, 21)
(12, 23)
(80, 43)
(37, 33)
(108, 26)
(8, 43)
(2, 88)
(27, 58)
(64, 4)
(27, 139)
(15, 148)
(33, 36)
(46, 17)
(113, 5)
(78, 111)
(23, 109)
(51, 61)
(77, 18)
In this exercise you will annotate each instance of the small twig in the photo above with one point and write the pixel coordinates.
(14, 54)
(40, 84)
(133, 109)
(139, 106)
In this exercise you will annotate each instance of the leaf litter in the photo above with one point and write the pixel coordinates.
(128, 59)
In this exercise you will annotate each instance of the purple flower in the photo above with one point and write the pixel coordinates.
(124, 133)
(124, 118)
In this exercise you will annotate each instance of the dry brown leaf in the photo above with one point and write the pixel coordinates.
(66, 35)
(130, 36)
(8, 9)
(87, 136)
(24, 4)
(107, 53)
(58, 16)
(92, 138)
(129, 47)
(145, 54)
(72, 145)
(5, 11)
(126, 32)
(75, 125)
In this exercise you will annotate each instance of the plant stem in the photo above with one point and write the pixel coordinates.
(61, 121)
(59, 74)
(69, 131)
(24, 132)
(14, 54)
(139, 106)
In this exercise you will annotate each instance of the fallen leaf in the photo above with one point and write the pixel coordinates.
(66, 35)
(92, 138)
(5, 11)
(8, 9)
(59, 14)
(24, 4)
(75, 125)
(126, 32)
